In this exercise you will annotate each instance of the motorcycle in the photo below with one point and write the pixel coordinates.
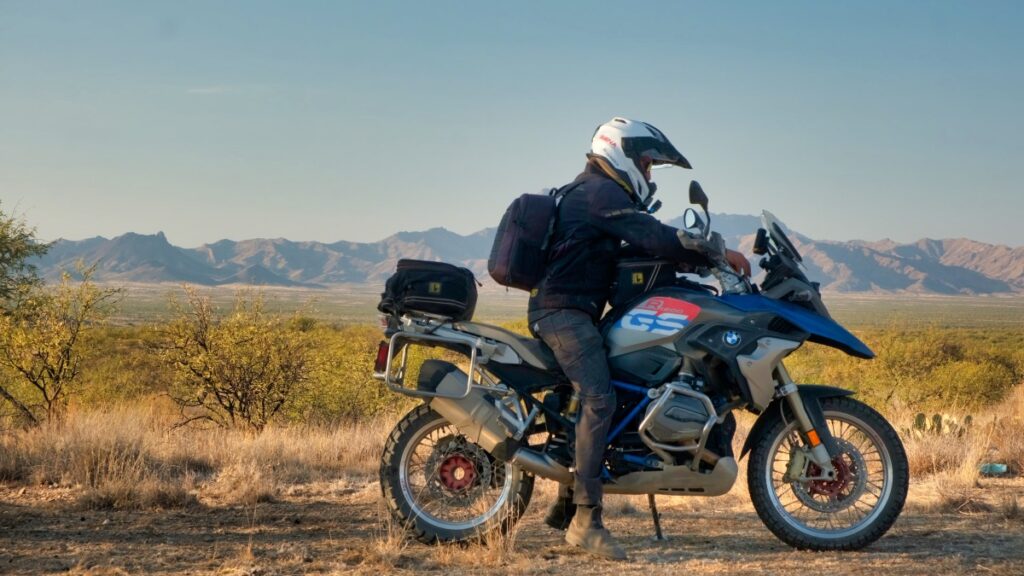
(825, 471)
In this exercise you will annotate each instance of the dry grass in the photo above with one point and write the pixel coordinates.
(133, 458)
(1010, 507)
(945, 469)
(1007, 440)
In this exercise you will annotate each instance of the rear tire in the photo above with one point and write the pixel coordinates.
(825, 515)
(440, 487)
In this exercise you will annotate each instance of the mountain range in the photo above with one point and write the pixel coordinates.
(948, 266)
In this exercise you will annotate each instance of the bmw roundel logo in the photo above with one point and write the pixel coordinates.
(732, 338)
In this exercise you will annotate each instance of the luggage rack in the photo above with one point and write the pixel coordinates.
(431, 330)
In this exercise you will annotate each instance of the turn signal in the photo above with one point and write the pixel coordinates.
(812, 437)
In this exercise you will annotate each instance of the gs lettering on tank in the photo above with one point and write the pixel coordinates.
(659, 315)
(655, 323)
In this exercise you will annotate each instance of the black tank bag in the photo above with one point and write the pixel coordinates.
(636, 276)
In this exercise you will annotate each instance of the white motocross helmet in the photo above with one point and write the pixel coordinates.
(621, 143)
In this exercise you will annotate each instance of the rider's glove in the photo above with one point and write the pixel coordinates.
(694, 242)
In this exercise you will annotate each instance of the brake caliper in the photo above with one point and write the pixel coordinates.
(797, 465)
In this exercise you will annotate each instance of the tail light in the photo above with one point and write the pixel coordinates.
(381, 364)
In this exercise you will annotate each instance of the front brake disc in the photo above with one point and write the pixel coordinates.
(830, 496)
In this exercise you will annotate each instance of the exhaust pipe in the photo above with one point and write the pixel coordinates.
(478, 418)
(542, 465)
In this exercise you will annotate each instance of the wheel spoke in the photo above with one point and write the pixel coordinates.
(839, 505)
(452, 482)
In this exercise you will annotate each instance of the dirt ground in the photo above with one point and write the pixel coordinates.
(336, 527)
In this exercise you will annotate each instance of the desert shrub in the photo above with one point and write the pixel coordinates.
(965, 383)
(18, 245)
(343, 388)
(929, 368)
(238, 369)
(40, 344)
(124, 365)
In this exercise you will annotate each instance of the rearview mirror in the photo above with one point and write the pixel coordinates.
(691, 221)
(760, 242)
(697, 195)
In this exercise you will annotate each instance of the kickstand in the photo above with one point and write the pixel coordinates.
(657, 519)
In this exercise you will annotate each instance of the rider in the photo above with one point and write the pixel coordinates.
(606, 205)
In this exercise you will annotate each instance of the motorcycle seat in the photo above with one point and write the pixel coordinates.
(533, 351)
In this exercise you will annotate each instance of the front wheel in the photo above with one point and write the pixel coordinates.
(846, 513)
(441, 487)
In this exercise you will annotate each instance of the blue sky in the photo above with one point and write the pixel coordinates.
(337, 120)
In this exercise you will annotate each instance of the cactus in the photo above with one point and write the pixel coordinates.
(939, 425)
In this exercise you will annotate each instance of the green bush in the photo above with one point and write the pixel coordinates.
(966, 383)
(343, 387)
(237, 368)
(928, 368)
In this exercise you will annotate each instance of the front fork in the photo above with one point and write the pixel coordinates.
(813, 430)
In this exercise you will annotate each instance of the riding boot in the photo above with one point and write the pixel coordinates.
(588, 532)
(562, 510)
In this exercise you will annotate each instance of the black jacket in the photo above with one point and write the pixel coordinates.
(594, 218)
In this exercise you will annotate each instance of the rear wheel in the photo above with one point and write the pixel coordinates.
(441, 487)
(845, 513)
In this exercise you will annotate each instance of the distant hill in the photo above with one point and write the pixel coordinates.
(272, 262)
(950, 266)
(131, 258)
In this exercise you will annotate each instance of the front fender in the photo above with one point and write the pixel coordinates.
(811, 394)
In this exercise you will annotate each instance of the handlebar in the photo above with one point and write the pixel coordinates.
(732, 283)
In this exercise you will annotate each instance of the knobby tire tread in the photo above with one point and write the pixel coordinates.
(771, 517)
(402, 514)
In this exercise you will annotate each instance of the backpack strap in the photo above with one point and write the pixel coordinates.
(559, 194)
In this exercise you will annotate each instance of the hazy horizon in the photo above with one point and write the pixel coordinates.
(663, 217)
(337, 121)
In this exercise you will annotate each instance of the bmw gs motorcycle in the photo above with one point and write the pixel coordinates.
(825, 472)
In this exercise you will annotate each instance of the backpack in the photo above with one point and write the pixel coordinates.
(519, 256)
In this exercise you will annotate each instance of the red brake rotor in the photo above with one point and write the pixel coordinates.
(832, 488)
(457, 472)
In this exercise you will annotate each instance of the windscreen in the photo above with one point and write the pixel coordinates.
(774, 228)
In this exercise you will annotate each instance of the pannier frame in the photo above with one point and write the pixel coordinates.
(479, 351)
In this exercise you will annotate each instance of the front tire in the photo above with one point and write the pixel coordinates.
(440, 487)
(847, 513)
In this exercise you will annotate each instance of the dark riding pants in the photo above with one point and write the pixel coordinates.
(579, 350)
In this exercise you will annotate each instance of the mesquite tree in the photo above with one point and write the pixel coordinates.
(18, 245)
(40, 342)
(238, 369)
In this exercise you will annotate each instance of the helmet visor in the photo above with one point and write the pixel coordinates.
(658, 150)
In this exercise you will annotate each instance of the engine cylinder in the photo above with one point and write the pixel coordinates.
(680, 420)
